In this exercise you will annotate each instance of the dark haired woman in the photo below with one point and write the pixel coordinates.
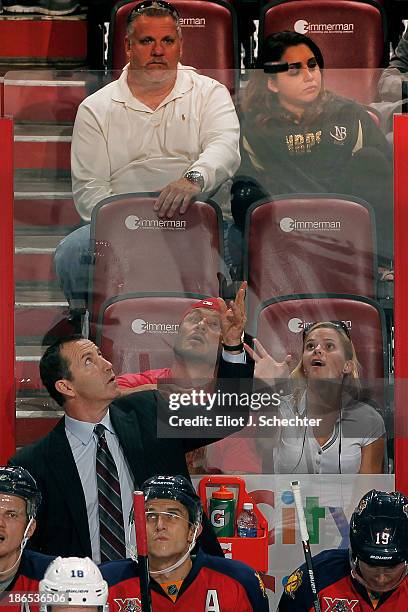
(299, 138)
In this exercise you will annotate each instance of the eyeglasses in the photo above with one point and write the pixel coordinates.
(168, 517)
(155, 4)
(340, 325)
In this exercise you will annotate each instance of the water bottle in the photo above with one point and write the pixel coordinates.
(247, 522)
(222, 512)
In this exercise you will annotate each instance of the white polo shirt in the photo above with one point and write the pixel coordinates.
(120, 145)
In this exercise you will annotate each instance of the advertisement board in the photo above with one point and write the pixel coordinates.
(328, 500)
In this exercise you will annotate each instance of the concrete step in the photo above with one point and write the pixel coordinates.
(33, 353)
(37, 323)
(35, 407)
(33, 320)
(38, 295)
(42, 146)
(33, 259)
(44, 206)
(35, 417)
(31, 395)
(37, 242)
(32, 266)
(27, 372)
(43, 39)
(44, 95)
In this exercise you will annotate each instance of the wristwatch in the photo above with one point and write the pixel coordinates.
(195, 177)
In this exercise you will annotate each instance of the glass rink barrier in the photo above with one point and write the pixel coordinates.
(146, 201)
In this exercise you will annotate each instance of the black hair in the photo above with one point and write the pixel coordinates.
(53, 366)
(263, 104)
(276, 44)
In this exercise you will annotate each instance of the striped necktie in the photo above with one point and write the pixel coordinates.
(112, 533)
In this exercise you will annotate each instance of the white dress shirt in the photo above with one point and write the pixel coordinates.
(83, 442)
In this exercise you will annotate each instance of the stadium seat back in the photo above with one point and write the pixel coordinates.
(135, 251)
(309, 244)
(280, 324)
(136, 332)
(209, 30)
(351, 34)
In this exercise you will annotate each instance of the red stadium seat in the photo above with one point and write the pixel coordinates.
(280, 324)
(135, 251)
(351, 34)
(309, 244)
(136, 332)
(210, 38)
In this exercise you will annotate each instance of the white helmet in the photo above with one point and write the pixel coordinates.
(78, 578)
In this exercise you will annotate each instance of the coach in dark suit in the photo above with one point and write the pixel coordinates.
(63, 462)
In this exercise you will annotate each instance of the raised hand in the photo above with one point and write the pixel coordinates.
(266, 368)
(233, 318)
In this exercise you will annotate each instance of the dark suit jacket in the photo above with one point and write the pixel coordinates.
(62, 522)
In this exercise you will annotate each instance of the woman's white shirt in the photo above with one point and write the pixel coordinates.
(298, 452)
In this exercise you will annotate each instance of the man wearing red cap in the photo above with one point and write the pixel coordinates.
(196, 353)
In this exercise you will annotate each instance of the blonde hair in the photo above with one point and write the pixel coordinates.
(351, 379)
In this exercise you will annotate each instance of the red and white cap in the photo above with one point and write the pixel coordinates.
(211, 303)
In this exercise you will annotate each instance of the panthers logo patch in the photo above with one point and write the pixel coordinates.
(293, 583)
(338, 604)
(130, 604)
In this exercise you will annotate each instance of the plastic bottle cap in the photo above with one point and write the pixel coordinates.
(248, 506)
(223, 493)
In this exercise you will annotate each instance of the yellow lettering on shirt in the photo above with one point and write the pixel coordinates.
(299, 144)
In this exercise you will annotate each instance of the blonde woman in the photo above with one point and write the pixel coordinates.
(350, 435)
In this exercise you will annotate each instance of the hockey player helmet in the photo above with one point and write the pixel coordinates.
(379, 529)
(17, 481)
(174, 487)
(73, 581)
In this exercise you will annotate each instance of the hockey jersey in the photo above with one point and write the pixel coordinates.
(213, 584)
(338, 591)
(21, 595)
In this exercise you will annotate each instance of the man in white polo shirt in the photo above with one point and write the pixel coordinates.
(160, 127)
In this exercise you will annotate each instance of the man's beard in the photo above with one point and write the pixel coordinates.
(191, 355)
